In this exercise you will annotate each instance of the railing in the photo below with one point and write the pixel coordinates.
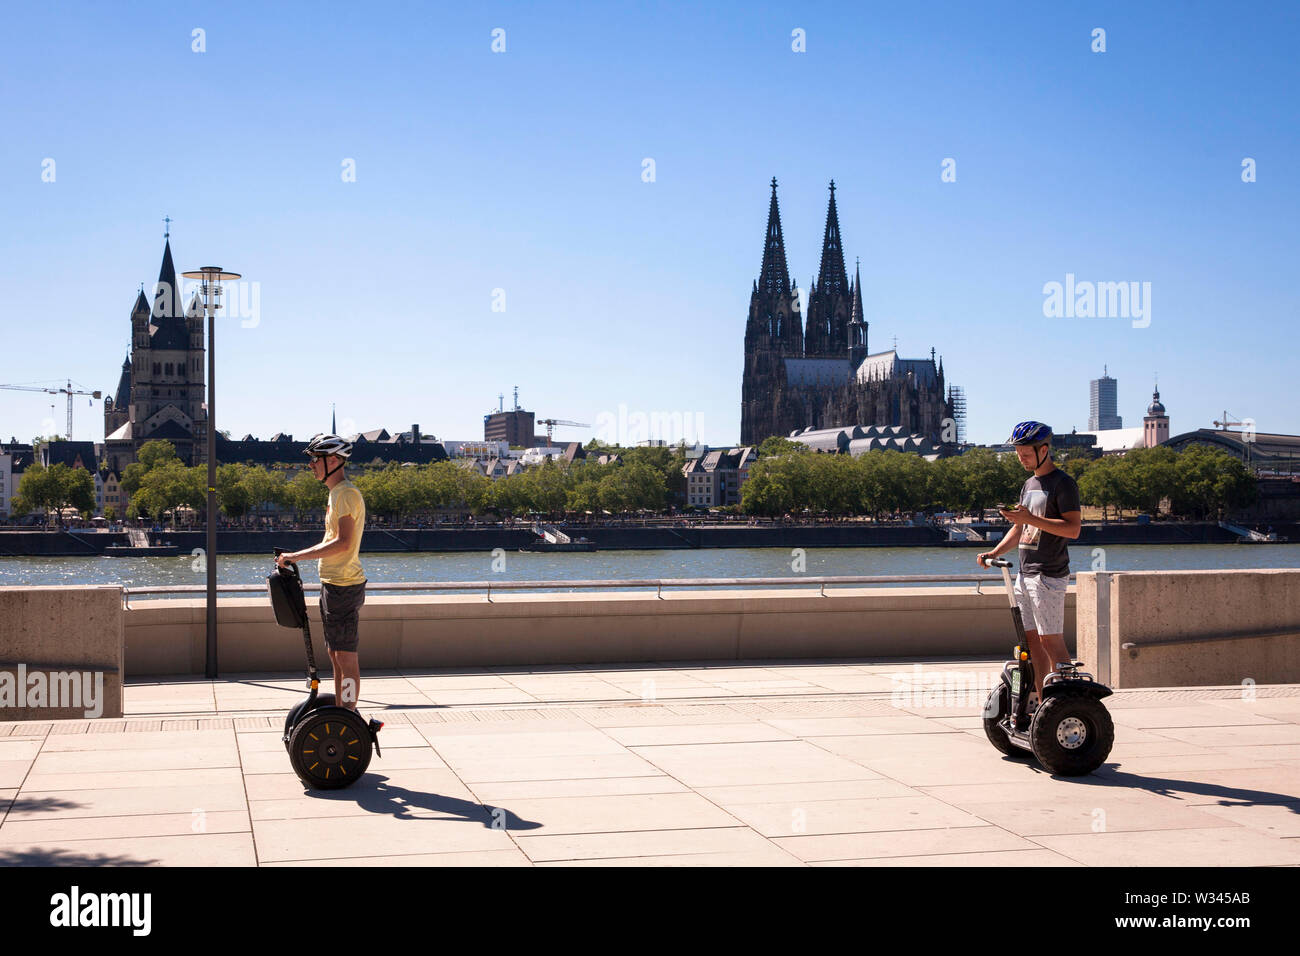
(657, 583)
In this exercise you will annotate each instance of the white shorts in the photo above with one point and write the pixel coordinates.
(1042, 602)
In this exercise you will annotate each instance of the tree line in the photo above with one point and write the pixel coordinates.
(787, 478)
(1200, 482)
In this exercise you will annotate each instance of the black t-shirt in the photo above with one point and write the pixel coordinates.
(1050, 496)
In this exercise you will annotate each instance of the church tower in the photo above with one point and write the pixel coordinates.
(829, 305)
(160, 394)
(1155, 425)
(774, 329)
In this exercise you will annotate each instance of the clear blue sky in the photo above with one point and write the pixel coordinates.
(522, 171)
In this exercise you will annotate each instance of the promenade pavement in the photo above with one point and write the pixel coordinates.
(778, 763)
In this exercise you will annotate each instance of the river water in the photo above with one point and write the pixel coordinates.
(615, 565)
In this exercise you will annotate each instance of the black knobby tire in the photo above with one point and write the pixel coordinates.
(322, 700)
(1074, 715)
(997, 736)
(330, 748)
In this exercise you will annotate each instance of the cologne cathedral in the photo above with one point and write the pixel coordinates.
(819, 373)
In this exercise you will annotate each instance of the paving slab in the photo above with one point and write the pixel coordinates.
(1217, 846)
(903, 843)
(1015, 858)
(716, 765)
(792, 818)
(321, 838)
(643, 843)
(211, 849)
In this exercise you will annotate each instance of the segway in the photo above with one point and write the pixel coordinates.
(329, 746)
(1071, 732)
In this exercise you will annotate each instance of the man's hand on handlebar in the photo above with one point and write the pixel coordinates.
(985, 556)
(285, 559)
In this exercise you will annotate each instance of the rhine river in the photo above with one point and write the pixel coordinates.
(615, 565)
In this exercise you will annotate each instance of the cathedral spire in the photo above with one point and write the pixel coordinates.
(832, 267)
(857, 325)
(775, 277)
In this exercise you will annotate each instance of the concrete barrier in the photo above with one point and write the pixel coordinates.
(1191, 628)
(419, 631)
(60, 652)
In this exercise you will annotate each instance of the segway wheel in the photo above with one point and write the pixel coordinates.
(997, 736)
(330, 748)
(322, 700)
(1072, 733)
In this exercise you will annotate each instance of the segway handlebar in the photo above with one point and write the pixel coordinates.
(999, 563)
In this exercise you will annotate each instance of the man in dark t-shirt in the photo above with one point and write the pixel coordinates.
(1041, 523)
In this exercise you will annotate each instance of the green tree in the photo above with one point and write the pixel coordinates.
(303, 493)
(776, 445)
(54, 489)
(167, 487)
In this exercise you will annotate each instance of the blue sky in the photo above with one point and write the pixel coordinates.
(522, 171)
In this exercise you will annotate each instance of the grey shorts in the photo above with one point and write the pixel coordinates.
(338, 609)
(1042, 602)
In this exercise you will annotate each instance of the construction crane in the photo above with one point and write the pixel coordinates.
(1227, 422)
(69, 391)
(550, 422)
(1247, 434)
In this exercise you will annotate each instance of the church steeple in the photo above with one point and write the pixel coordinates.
(166, 295)
(857, 324)
(775, 277)
(827, 333)
(832, 267)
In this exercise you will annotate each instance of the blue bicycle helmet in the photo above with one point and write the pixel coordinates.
(1030, 433)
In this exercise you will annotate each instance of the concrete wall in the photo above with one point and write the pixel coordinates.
(50, 631)
(415, 631)
(1192, 628)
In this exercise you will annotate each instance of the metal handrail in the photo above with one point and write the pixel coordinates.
(657, 583)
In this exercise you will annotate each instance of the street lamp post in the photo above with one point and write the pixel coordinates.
(211, 278)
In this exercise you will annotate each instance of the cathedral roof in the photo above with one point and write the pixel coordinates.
(1156, 408)
(817, 371)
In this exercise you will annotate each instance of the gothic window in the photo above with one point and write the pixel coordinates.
(157, 369)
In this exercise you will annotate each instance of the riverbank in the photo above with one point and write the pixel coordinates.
(612, 538)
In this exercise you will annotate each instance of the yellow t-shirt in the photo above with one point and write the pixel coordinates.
(344, 569)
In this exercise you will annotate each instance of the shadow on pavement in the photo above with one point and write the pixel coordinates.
(373, 793)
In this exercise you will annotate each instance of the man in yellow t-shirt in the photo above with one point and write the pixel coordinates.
(343, 583)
